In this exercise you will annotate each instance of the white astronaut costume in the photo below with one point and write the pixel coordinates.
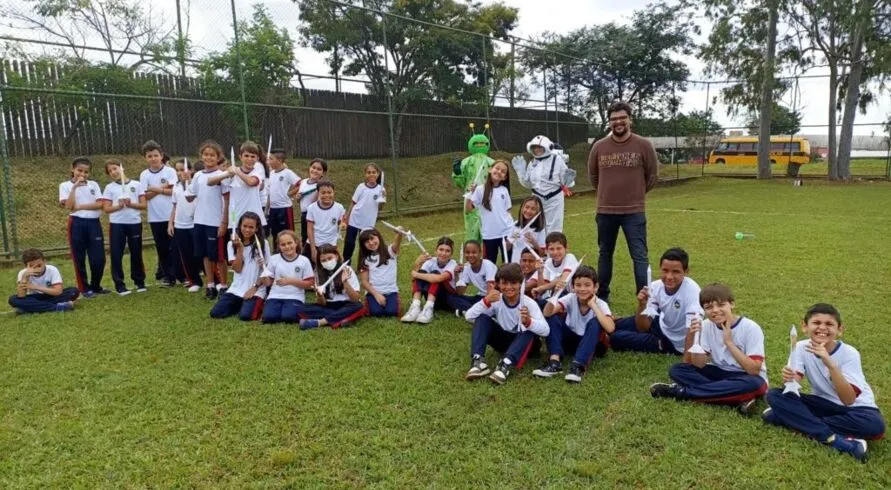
(545, 176)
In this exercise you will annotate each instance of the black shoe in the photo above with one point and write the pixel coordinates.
(501, 373)
(102, 291)
(747, 408)
(222, 291)
(576, 371)
(552, 368)
(164, 283)
(664, 390)
(210, 293)
(478, 368)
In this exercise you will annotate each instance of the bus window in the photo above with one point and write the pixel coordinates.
(747, 147)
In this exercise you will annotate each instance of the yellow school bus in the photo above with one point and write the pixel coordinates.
(743, 150)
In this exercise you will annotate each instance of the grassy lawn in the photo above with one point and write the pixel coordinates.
(147, 391)
(862, 167)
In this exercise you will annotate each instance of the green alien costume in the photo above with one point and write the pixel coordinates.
(466, 173)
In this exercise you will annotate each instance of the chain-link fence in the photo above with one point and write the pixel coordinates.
(369, 105)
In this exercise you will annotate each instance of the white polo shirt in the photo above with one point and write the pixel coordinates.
(184, 219)
(159, 207)
(479, 278)
(575, 320)
(208, 198)
(675, 311)
(552, 271)
(432, 266)
(297, 268)
(353, 281)
(383, 277)
(251, 271)
(508, 316)
(848, 360)
(114, 192)
(280, 182)
(308, 194)
(50, 277)
(497, 222)
(518, 245)
(85, 194)
(326, 222)
(747, 337)
(365, 206)
(244, 198)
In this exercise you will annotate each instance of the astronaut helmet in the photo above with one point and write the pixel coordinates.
(544, 143)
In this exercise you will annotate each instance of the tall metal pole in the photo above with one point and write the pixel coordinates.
(544, 85)
(556, 104)
(708, 123)
(388, 83)
(7, 191)
(181, 48)
(513, 73)
(247, 133)
(485, 76)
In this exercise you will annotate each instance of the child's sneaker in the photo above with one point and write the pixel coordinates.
(768, 417)
(501, 373)
(123, 291)
(413, 312)
(849, 445)
(65, 306)
(426, 315)
(102, 291)
(664, 390)
(141, 288)
(88, 294)
(194, 288)
(478, 368)
(747, 408)
(308, 324)
(210, 293)
(221, 289)
(552, 368)
(164, 283)
(575, 373)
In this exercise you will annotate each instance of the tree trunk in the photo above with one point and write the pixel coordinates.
(852, 96)
(831, 155)
(767, 91)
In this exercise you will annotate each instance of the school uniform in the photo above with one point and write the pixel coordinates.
(723, 381)
(281, 208)
(125, 230)
(544, 177)
(383, 278)
(208, 215)
(575, 333)
(232, 302)
(326, 222)
(521, 243)
(439, 290)
(479, 278)
(35, 302)
(821, 414)
(85, 237)
(308, 194)
(670, 315)
(245, 198)
(188, 267)
(495, 224)
(338, 308)
(498, 325)
(285, 303)
(552, 270)
(363, 216)
(158, 215)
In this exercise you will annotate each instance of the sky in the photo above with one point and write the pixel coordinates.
(210, 29)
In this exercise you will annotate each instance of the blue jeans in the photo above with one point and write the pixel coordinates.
(634, 226)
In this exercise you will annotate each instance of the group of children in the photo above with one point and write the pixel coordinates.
(222, 214)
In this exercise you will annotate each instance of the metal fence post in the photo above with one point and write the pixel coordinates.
(7, 201)
(708, 123)
(247, 132)
(390, 116)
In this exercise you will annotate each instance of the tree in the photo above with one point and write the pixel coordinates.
(634, 63)
(783, 121)
(685, 125)
(264, 62)
(124, 28)
(766, 101)
(408, 60)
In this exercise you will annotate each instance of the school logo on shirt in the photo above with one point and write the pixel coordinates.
(92, 192)
(133, 189)
(371, 260)
(677, 305)
(164, 181)
(297, 269)
(333, 221)
(49, 283)
(281, 178)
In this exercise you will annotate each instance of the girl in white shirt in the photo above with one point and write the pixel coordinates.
(432, 278)
(287, 275)
(377, 273)
(181, 227)
(367, 200)
(308, 193)
(493, 201)
(339, 301)
(247, 255)
(534, 236)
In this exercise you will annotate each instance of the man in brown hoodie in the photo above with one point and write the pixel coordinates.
(622, 167)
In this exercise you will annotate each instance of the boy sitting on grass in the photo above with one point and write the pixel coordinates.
(509, 321)
(731, 371)
(841, 412)
(39, 287)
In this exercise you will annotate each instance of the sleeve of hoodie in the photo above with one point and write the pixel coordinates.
(651, 164)
(593, 168)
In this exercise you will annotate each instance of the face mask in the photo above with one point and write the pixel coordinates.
(329, 265)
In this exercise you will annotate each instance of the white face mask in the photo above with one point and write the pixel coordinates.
(329, 265)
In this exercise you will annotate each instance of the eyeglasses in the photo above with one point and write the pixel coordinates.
(617, 119)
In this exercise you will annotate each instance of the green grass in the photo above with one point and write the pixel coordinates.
(147, 391)
(864, 167)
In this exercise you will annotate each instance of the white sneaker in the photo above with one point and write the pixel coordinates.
(412, 314)
(426, 315)
(478, 369)
(194, 289)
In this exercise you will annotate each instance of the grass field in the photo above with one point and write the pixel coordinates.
(147, 391)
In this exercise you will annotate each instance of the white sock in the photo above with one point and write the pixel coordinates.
(209, 285)
(429, 305)
(507, 361)
(415, 302)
